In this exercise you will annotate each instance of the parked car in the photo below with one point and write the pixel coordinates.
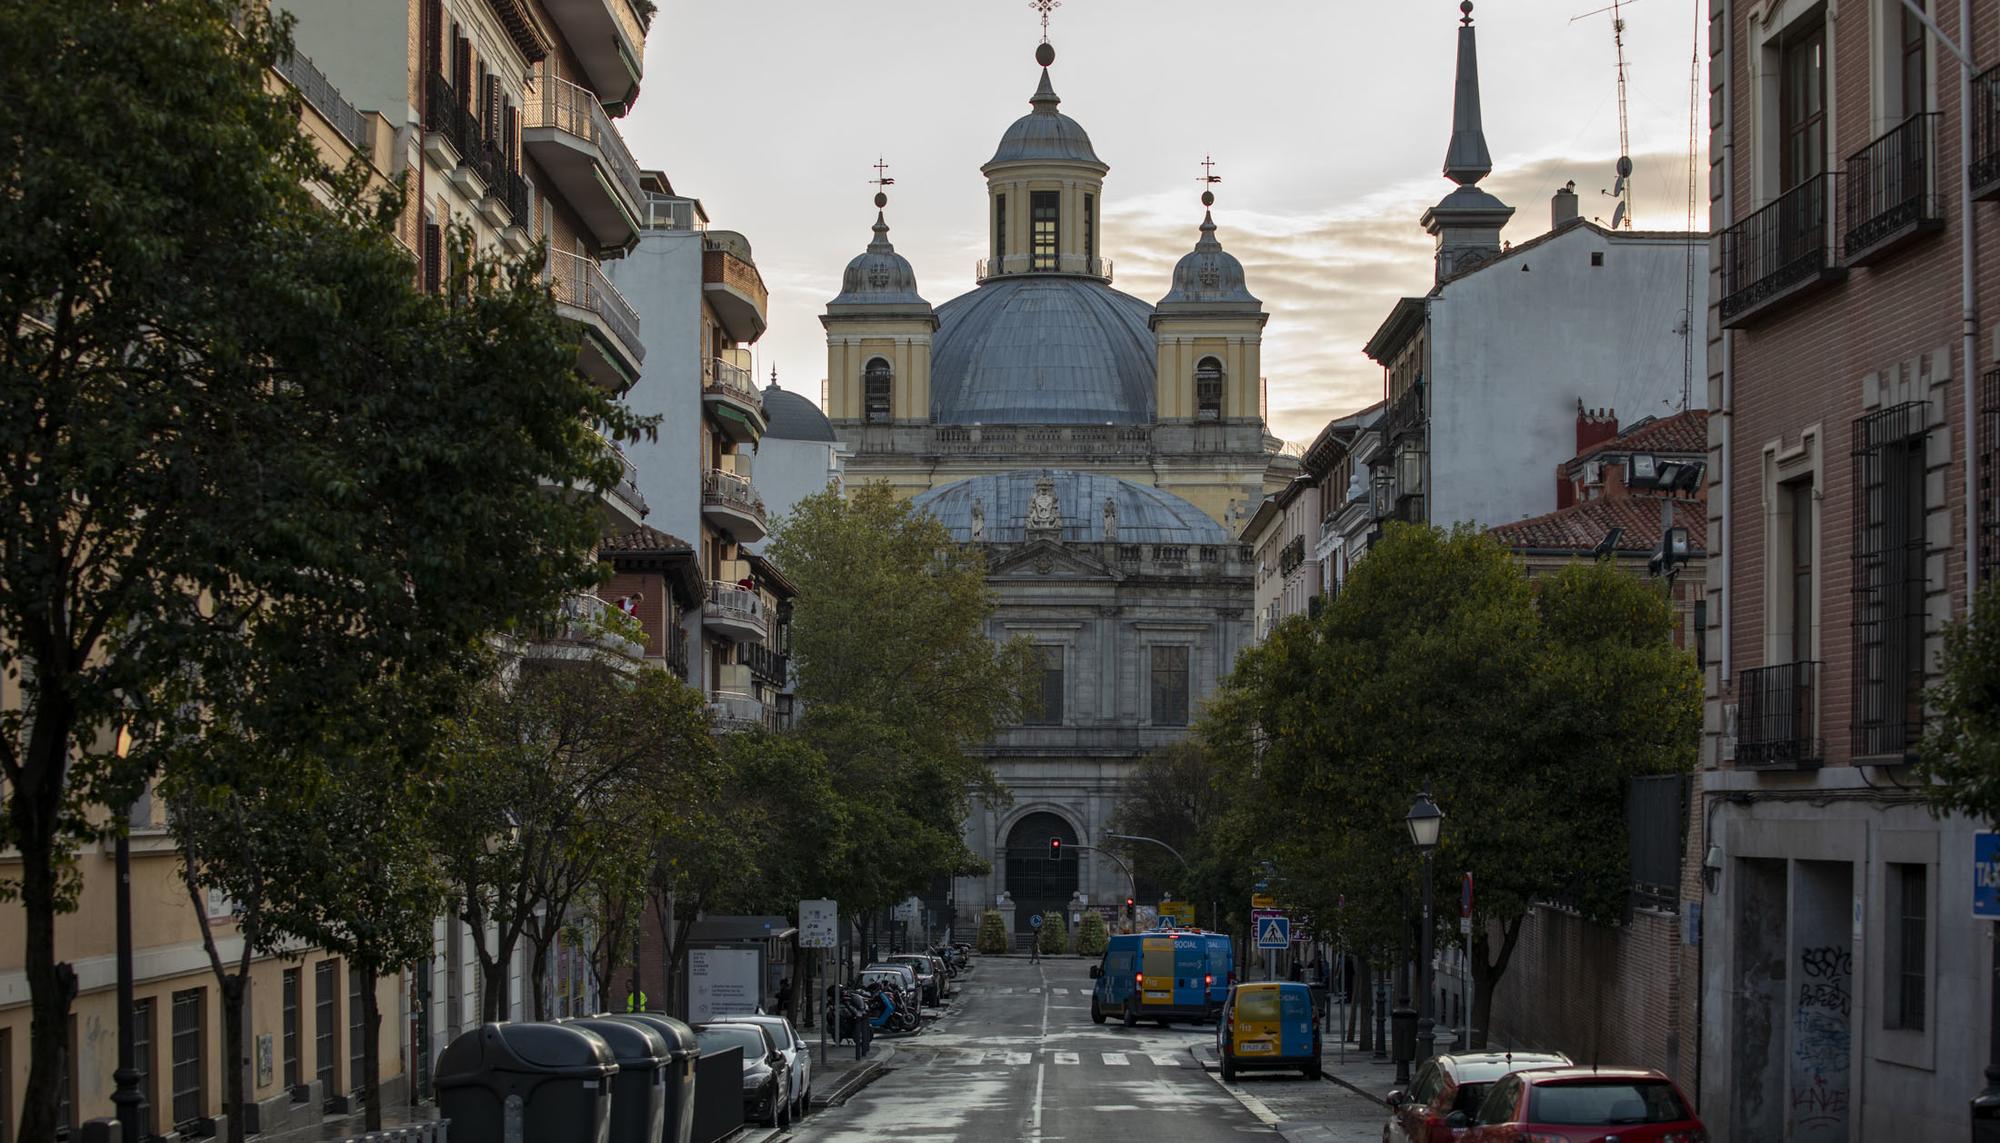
(1439, 1104)
(798, 1056)
(930, 982)
(765, 1096)
(905, 977)
(1269, 1024)
(1585, 1105)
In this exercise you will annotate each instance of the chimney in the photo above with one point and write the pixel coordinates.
(1594, 426)
(1562, 208)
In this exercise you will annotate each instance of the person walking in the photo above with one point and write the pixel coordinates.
(785, 996)
(1034, 946)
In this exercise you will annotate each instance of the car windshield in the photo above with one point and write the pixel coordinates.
(733, 1036)
(1605, 1103)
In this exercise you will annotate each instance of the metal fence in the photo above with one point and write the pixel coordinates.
(1891, 549)
(1778, 717)
(1889, 183)
(1656, 829)
(316, 89)
(1777, 247)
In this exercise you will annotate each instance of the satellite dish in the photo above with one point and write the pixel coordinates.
(1618, 187)
(1617, 215)
(1624, 166)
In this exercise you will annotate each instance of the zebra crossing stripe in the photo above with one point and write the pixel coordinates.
(1165, 1059)
(1115, 1059)
(1066, 1057)
(1018, 1059)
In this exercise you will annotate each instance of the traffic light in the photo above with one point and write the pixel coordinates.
(1128, 902)
(1055, 849)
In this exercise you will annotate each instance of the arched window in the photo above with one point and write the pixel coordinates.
(1208, 390)
(875, 380)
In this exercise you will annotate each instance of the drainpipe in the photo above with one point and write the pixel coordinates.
(1969, 300)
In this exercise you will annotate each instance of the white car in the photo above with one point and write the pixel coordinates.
(798, 1056)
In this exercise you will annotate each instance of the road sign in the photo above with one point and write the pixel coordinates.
(1181, 912)
(819, 924)
(1035, 922)
(1274, 932)
(1986, 875)
(1465, 897)
(1263, 901)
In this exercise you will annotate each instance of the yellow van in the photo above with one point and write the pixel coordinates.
(1268, 1024)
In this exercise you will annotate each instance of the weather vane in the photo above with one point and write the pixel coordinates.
(1208, 178)
(881, 180)
(1045, 7)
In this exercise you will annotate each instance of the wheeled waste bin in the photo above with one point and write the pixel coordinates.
(526, 1083)
(639, 1093)
(683, 1048)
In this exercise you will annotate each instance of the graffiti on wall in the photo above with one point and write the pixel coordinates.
(1821, 1043)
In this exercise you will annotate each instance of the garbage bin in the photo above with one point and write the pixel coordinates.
(682, 1048)
(639, 1093)
(504, 1083)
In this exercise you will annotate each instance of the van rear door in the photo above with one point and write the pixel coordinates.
(1156, 961)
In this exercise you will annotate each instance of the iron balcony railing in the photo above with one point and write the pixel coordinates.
(574, 110)
(1777, 721)
(732, 490)
(316, 89)
(577, 280)
(1778, 247)
(733, 710)
(445, 115)
(514, 192)
(1406, 412)
(1987, 441)
(627, 488)
(731, 601)
(1984, 166)
(733, 380)
(1890, 186)
(764, 661)
(986, 268)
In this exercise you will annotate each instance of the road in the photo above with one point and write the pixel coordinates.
(1019, 1059)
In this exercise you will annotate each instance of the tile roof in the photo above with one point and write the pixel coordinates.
(646, 540)
(1581, 527)
(1681, 432)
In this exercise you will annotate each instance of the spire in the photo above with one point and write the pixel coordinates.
(1467, 160)
(1045, 100)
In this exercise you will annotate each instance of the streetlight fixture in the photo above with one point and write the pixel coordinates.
(128, 1097)
(1426, 821)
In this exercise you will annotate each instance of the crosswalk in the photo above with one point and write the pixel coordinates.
(950, 1056)
(1027, 991)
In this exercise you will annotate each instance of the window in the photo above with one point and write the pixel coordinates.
(291, 1003)
(1914, 49)
(1889, 579)
(1596, 259)
(325, 982)
(142, 1048)
(1798, 497)
(999, 232)
(1170, 686)
(357, 1032)
(876, 377)
(1044, 214)
(1802, 105)
(1090, 226)
(1208, 389)
(1907, 915)
(187, 1046)
(1051, 712)
(1499, 1106)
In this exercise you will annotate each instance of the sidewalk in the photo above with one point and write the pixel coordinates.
(1347, 1107)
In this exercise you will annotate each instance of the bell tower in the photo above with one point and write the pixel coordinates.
(1208, 335)
(1044, 192)
(878, 336)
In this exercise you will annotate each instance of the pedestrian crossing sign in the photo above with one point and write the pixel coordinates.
(1274, 932)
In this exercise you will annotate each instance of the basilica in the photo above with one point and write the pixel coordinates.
(1103, 451)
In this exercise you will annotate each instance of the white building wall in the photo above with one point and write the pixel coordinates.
(1515, 345)
(662, 280)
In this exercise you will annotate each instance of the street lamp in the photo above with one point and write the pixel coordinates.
(1425, 821)
(127, 1098)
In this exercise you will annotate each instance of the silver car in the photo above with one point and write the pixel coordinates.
(798, 1056)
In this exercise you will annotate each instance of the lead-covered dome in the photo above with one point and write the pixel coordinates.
(879, 275)
(1043, 349)
(1208, 274)
(1046, 134)
(789, 416)
(1144, 514)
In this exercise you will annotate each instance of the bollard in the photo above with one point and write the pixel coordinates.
(101, 1131)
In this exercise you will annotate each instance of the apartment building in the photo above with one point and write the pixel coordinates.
(1852, 510)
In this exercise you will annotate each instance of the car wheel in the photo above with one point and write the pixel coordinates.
(1228, 1069)
(1166, 1023)
(1131, 1015)
(1096, 1013)
(1311, 1070)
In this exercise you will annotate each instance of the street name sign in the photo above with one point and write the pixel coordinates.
(1986, 875)
(1274, 931)
(819, 924)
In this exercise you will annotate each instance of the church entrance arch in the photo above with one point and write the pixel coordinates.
(1036, 883)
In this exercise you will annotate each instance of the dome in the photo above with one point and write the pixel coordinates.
(790, 417)
(1046, 134)
(1208, 273)
(879, 275)
(1043, 349)
(1146, 515)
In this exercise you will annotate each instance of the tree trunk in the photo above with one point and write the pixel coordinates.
(1489, 975)
(538, 977)
(1364, 983)
(493, 998)
(35, 808)
(371, 1049)
(234, 988)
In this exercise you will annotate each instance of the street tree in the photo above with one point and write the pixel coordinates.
(1960, 757)
(1179, 796)
(239, 450)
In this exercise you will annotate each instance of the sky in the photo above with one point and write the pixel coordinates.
(1327, 120)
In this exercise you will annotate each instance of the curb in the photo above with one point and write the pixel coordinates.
(858, 1078)
(1355, 1088)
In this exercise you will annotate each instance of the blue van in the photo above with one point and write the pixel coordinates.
(1165, 976)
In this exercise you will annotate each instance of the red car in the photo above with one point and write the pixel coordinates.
(1586, 1105)
(1439, 1104)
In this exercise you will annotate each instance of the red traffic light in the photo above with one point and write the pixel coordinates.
(1055, 849)
(1128, 902)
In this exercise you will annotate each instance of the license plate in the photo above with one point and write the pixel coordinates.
(1159, 996)
(1254, 1046)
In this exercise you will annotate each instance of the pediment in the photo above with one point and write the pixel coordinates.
(1045, 559)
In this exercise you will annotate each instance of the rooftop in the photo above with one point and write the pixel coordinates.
(1578, 529)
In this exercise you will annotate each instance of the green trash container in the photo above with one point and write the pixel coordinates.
(639, 1093)
(526, 1083)
(683, 1049)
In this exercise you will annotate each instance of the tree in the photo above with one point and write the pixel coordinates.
(1180, 792)
(1091, 935)
(1960, 758)
(240, 452)
(992, 936)
(1053, 936)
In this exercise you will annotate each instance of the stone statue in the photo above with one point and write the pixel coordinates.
(1044, 513)
(978, 520)
(1110, 520)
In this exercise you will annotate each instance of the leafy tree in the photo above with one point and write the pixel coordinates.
(1180, 795)
(1053, 936)
(241, 454)
(1091, 935)
(992, 936)
(1960, 758)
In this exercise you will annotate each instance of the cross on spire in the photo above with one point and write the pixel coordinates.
(1208, 178)
(1045, 7)
(882, 178)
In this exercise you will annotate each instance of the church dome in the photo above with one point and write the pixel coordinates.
(1043, 349)
(1045, 134)
(790, 417)
(1208, 273)
(879, 275)
(1145, 515)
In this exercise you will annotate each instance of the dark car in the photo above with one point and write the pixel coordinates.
(767, 1098)
(1587, 1105)
(798, 1055)
(930, 982)
(1439, 1104)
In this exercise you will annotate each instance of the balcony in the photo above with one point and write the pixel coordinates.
(583, 629)
(670, 212)
(566, 130)
(612, 351)
(1891, 192)
(626, 491)
(1405, 415)
(735, 612)
(732, 285)
(732, 399)
(1778, 718)
(451, 132)
(731, 504)
(1779, 253)
(772, 666)
(1984, 169)
(609, 39)
(732, 712)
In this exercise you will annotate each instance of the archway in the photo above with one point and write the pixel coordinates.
(1035, 882)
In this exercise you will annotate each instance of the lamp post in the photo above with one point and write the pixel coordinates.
(128, 1098)
(1425, 821)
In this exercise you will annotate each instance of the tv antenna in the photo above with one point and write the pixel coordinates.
(1622, 189)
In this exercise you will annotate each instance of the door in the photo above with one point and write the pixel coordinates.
(1295, 1018)
(1156, 962)
(1255, 1029)
(1190, 970)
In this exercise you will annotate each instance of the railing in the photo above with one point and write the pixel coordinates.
(316, 89)
(1170, 554)
(1778, 719)
(762, 660)
(1778, 247)
(726, 263)
(1037, 438)
(1984, 168)
(579, 281)
(733, 710)
(665, 212)
(733, 380)
(1889, 184)
(574, 110)
(627, 488)
(986, 268)
(514, 192)
(730, 489)
(1986, 441)
(446, 116)
(1406, 412)
(730, 601)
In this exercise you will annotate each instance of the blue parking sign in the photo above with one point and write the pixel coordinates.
(1986, 875)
